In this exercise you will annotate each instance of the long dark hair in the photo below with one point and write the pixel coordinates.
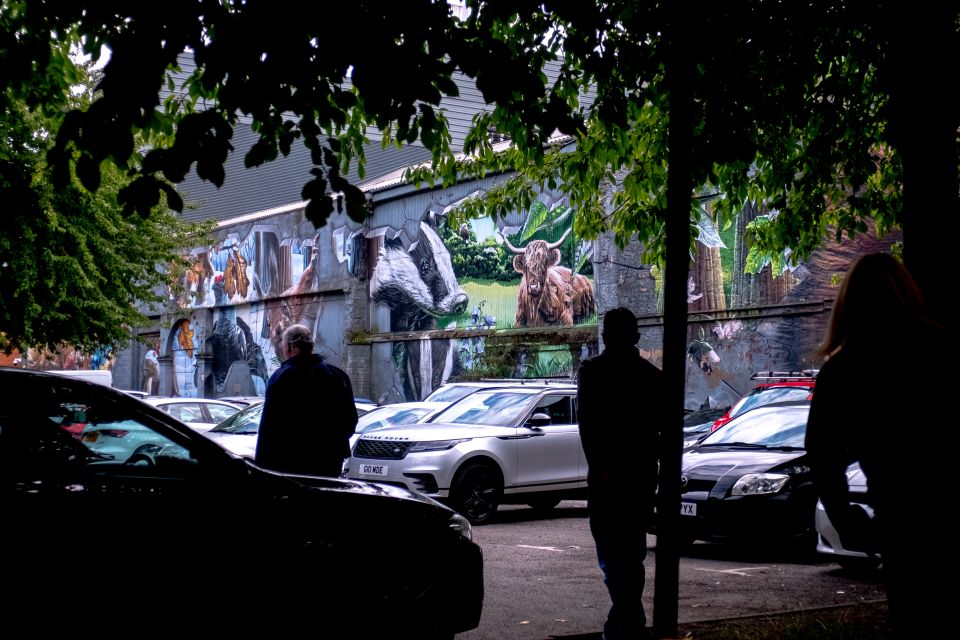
(878, 292)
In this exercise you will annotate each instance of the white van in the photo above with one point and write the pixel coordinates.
(100, 376)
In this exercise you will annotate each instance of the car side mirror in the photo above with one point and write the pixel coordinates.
(538, 420)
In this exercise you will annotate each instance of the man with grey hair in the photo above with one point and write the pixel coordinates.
(308, 412)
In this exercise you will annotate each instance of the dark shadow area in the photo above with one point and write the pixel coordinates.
(514, 513)
(857, 572)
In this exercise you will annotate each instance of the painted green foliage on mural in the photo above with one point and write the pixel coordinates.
(471, 258)
(488, 259)
(543, 223)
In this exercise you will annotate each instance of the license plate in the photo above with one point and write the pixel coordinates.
(688, 508)
(373, 470)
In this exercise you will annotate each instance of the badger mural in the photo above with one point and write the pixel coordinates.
(418, 285)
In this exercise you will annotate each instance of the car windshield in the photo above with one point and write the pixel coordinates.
(246, 421)
(701, 420)
(388, 416)
(768, 396)
(450, 393)
(500, 408)
(767, 426)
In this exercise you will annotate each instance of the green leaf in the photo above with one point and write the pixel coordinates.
(536, 216)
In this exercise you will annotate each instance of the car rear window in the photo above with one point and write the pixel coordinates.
(450, 394)
(768, 396)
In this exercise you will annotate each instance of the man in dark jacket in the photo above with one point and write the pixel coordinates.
(620, 410)
(308, 412)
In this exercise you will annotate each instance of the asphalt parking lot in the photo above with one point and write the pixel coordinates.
(542, 580)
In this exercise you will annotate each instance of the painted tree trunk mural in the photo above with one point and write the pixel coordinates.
(707, 274)
(745, 287)
(774, 288)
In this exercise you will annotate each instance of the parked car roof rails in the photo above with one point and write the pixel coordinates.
(802, 374)
(555, 380)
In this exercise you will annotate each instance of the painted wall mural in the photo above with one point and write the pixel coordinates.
(418, 286)
(239, 351)
(64, 357)
(238, 358)
(549, 294)
(185, 344)
(475, 276)
(409, 271)
(420, 273)
(753, 313)
(259, 278)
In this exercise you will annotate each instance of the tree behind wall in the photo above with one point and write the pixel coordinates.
(75, 270)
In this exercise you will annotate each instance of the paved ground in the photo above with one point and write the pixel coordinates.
(542, 581)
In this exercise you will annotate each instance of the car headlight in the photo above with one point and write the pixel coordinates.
(435, 445)
(461, 525)
(759, 484)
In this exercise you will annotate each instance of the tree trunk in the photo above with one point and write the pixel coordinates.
(923, 128)
(681, 34)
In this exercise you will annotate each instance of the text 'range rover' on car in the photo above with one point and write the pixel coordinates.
(518, 444)
(164, 519)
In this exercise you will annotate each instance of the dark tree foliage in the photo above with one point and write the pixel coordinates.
(809, 108)
(828, 112)
(73, 268)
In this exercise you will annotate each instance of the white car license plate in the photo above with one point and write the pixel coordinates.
(688, 508)
(377, 470)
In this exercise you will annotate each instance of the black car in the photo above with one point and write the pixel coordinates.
(176, 533)
(749, 481)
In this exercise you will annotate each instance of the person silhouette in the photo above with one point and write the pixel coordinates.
(151, 369)
(872, 405)
(308, 412)
(620, 408)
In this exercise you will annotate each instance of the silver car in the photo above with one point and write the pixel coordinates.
(828, 540)
(238, 433)
(392, 415)
(201, 414)
(518, 444)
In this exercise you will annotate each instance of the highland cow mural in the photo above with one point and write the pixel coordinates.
(549, 294)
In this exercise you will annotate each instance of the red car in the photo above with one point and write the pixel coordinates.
(776, 386)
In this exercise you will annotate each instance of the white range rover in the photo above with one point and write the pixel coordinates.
(515, 444)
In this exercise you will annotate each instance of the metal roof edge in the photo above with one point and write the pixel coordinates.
(394, 179)
(259, 215)
(387, 182)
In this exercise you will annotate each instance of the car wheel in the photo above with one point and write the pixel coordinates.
(476, 491)
(545, 503)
